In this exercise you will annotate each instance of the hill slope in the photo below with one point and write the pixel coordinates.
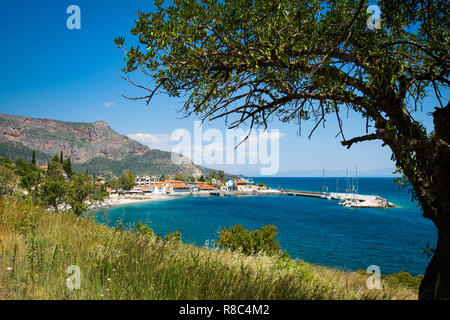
(37, 247)
(91, 146)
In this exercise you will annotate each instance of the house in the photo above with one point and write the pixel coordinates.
(158, 188)
(179, 188)
(135, 192)
(146, 191)
(112, 193)
(146, 180)
(205, 187)
(241, 185)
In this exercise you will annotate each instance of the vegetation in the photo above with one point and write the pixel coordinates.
(153, 162)
(251, 242)
(400, 279)
(14, 150)
(38, 246)
(252, 61)
(174, 236)
(127, 180)
(58, 187)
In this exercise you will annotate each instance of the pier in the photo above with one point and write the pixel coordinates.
(349, 200)
(302, 193)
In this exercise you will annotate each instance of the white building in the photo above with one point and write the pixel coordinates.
(146, 180)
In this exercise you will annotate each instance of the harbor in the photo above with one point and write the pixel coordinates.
(348, 200)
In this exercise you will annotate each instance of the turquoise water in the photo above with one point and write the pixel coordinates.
(315, 230)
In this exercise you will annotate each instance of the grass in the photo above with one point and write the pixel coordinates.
(37, 247)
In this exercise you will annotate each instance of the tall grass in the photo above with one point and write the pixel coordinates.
(37, 247)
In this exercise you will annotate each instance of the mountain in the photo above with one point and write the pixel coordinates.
(79, 141)
(91, 146)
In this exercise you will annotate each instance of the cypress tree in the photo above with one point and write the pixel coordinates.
(33, 160)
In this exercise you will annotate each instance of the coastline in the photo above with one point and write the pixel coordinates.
(129, 201)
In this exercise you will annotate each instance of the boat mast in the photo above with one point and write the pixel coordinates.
(337, 184)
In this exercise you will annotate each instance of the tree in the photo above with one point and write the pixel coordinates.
(201, 179)
(8, 181)
(33, 159)
(82, 192)
(251, 242)
(127, 180)
(67, 167)
(221, 176)
(252, 61)
(53, 191)
(179, 177)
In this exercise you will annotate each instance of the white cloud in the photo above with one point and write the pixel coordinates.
(109, 104)
(160, 141)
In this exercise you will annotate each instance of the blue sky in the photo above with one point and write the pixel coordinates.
(49, 71)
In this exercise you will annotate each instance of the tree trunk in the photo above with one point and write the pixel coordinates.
(436, 281)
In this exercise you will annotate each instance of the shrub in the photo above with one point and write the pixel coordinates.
(404, 278)
(174, 236)
(142, 229)
(251, 242)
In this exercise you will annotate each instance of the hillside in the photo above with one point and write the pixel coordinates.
(79, 141)
(153, 162)
(37, 246)
(91, 146)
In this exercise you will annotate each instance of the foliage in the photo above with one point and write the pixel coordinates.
(83, 192)
(8, 181)
(15, 150)
(153, 162)
(67, 167)
(53, 191)
(404, 278)
(174, 236)
(251, 242)
(218, 175)
(143, 230)
(127, 180)
(251, 62)
(38, 246)
(179, 177)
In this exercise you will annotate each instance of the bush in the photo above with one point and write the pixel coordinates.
(141, 229)
(251, 242)
(404, 278)
(174, 236)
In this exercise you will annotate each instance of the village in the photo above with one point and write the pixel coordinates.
(146, 187)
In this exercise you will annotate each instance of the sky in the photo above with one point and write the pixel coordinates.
(49, 71)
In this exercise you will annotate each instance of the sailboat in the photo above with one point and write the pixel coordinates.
(325, 194)
(353, 200)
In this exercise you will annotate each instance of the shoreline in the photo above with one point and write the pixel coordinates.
(128, 201)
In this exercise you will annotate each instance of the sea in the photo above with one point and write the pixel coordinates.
(314, 230)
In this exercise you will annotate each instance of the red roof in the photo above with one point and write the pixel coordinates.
(242, 182)
(180, 186)
(206, 187)
(157, 185)
(172, 181)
